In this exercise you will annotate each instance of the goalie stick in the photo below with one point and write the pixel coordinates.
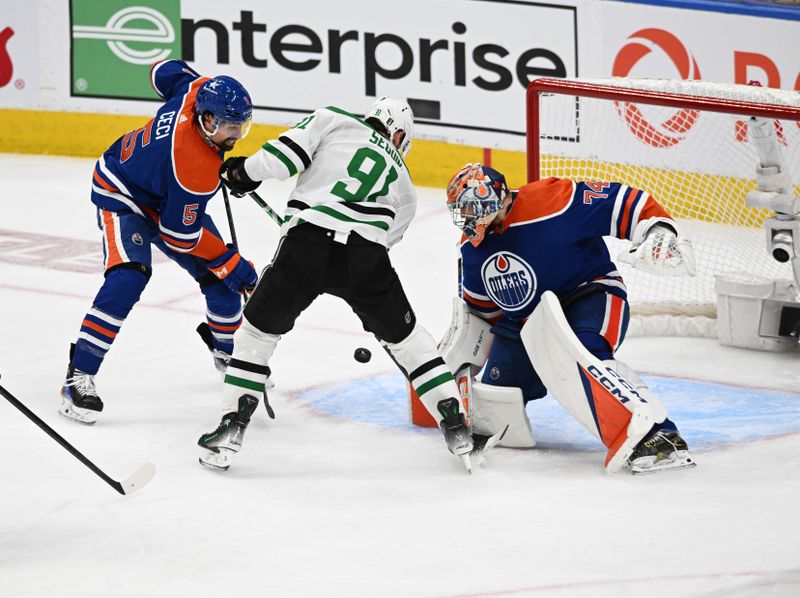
(482, 444)
(129, 485)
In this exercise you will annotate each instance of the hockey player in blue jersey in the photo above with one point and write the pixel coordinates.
(151, 188)
(538, 279)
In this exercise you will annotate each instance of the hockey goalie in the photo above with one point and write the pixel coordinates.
(543, 308)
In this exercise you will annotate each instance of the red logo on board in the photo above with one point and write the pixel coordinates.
(640, 44)
(6, 66)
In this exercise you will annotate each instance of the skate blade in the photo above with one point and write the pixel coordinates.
(483, 444)
(466, 462)
(675, 461)
(220, 461)
(87, 417)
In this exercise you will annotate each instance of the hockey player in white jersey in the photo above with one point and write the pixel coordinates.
(353, 200)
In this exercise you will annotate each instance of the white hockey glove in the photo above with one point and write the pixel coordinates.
(657, 249)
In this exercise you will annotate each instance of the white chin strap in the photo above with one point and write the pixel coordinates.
(208, 133)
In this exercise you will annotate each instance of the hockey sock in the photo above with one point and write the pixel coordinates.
(596, 344)
(224, 315)
(425, 369)
(247, 371)
(119, 293)
(222, 330)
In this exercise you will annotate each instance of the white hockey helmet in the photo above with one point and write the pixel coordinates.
(398, 118)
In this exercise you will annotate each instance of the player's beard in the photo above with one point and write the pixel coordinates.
(228, 144)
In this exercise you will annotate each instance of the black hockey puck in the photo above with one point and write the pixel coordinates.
(362, 355)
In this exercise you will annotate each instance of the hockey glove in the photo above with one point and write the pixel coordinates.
(235, 271)
(234, 177)
(661, 252)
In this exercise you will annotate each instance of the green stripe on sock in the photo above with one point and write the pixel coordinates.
(432, 383)
(241, 382)
(282, 157)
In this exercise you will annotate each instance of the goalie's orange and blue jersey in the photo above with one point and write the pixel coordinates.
(165, 171)
(551, 240)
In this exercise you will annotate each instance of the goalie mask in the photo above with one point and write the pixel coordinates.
(475, 195)
(397, 118)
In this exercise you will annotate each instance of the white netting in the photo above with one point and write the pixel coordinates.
(699, 164)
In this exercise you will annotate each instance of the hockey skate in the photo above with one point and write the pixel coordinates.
(221, 358)
(224, 442)
(659, 451)
(456, 433)
(79, 400)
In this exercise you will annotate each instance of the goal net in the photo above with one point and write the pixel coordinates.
(687, 144)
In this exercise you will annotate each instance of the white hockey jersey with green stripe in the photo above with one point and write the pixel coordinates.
(351, 179)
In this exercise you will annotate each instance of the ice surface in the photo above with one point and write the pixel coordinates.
(340, 496)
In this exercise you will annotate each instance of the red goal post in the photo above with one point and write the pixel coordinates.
(684, 142)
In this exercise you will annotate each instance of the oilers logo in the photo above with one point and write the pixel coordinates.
(509, 280)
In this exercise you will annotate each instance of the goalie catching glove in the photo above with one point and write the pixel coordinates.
(234, 176)
(235, 271)
(657, 248)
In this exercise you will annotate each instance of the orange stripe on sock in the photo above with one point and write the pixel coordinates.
(233, 328)
(100, 329)
(614, 320)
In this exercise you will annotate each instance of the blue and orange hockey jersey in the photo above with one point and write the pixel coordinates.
(165, 171)
(551, 240)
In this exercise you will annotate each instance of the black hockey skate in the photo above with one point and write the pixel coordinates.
(224, 442)
(456, 433)
(659, 451)
(79, 400)
(221, 359)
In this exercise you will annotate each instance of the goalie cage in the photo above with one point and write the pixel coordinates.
(687, 144)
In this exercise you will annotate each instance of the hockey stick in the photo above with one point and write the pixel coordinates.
(229, 213)
(265, 206)
(127, 486)
(232, 228)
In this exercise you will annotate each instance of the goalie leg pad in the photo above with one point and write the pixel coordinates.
(596, 395)
(468, 339)
(494, 407)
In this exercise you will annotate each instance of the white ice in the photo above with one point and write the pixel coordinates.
(328, 501)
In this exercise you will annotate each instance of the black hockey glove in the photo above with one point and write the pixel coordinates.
(234, 177)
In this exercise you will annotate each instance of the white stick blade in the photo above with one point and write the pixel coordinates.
(139, 478)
